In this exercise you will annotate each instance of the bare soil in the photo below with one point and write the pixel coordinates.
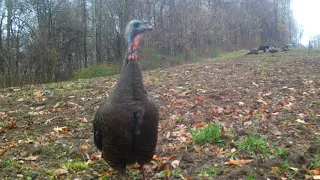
(45, 129)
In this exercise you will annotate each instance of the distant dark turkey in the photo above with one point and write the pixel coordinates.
(126, 124)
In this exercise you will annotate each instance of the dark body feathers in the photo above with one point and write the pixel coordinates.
(126, 124)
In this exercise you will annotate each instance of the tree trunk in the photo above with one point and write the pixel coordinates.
(94, 33)
(276, 36)
(2, 69)
(8, 48)
(84, 20)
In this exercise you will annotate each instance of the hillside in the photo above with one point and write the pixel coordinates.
(268, 106)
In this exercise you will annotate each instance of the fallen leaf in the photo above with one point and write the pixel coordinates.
(62, 130)
(20, 99)
(171, 156)
(294, 169)
(95, 157)
(10, 126)
(307, 176)
(84, 120)
(135, 166)
(156, 158)
(219, 150)
(175, 164)
(2, 151)
(247, 123)
(233, 150)
(255, 84)
(275, 169)
(276, 133)
(23, 154)
(238, 162)
(241, 103)
(197, 149)
(300, 121)
(198, 125)
(31, 158)
(316, 177)
(56, 105)
(162, 165)
(198, 100)
(34, 165)
(60, 172)
(38, 94)
(315, 171)
(84, 148)
(262, 101)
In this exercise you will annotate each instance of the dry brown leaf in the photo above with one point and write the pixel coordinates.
(315, 171)
(316, 177)
(238, 162)
(197, 149)
(31, 158)
(60, 171)
(171, 156)
(156, 158)
(219, 150)
(84, 148)
(276, 133)
(95, 157)
(34, 165)
(306, 176)
(198, 125)
(175, 163)
(2, 151)
(84, 120)
(10, 126)
(62, 130)
(262, 101)
(162, 165)
(275, 169)
(135, 166)
(294, 169)
(38, 94)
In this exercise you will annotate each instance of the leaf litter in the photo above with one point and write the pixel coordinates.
(263, 95)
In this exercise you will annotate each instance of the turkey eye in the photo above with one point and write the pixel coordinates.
(136, 25)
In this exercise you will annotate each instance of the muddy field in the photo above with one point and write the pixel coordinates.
(272, 99)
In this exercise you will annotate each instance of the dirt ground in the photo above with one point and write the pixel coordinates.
(46, 131)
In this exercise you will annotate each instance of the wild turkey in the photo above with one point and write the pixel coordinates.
(252, 51)
(126, 124)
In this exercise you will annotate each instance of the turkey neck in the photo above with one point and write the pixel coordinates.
(130, 87)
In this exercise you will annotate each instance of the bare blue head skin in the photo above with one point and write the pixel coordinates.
(134, 28)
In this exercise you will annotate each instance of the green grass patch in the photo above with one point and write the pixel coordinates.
(282, 152)
(318, 139)
(76, 165)
(253, 144)
(258, 116)
(250, 178)
(96, 71)
(176, 172)
(284, 168)
(209, 134)
(318, 101)
(316, 163)
(209, 171)
(9, 164)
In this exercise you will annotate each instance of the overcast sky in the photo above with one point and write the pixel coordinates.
(307, 14)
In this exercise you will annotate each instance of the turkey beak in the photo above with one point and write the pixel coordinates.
(147, 27)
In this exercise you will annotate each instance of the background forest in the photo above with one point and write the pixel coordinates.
(45, 41)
